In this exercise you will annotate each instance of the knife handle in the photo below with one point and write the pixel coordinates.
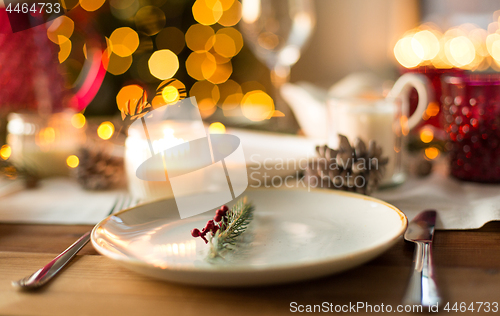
(422, 288)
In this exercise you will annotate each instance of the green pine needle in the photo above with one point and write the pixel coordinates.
(238, 219)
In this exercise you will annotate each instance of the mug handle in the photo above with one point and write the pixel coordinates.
(402, 89)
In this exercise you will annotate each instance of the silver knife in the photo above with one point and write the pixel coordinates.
(422, 288)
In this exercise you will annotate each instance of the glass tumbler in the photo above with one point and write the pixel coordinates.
(471, 104)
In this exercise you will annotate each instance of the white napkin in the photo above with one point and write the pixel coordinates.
(55, 201)
(460, 205)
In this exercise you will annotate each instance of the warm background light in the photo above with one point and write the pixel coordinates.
(163, 64)
(105, 130)
(216, 128)
(72, 161)
(91, 5)
(431, 153)
(124, 41)
(5, 152)
(257, 106)
(78, 120)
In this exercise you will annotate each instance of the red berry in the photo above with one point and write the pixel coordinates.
(215, 229)
(220, 212)
(209, 225)
(195, 232)
(224, 208)
(218, 218)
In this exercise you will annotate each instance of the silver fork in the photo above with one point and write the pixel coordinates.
(45, 274)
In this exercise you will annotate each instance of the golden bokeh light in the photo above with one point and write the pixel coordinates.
(228, 88)
(64, 48)
(200, 38)
(404, 51)
(124, 41)
(232, 101)
(217, 128)
(78, 120)
(493, 45)
(91, 5)
(432, 109)
(163, 64)
(115, 64)
(127, 95)
(429, 43)
(60, 26)
(232, 15)
(170, 38)
(105, 130)
(205, 90)
(460, 51)
(150, 20)
(170, 94)
(207, 107)
(431, 153)
(207, 12)
(201, 65)
(257, 105)
(228, 42)
(5, 152)
(171, 91)
(222, 73)
(426, 135)
(72, 161)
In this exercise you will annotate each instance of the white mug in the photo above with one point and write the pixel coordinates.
(385, 120)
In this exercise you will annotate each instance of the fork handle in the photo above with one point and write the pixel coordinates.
(45, 274)
(422, 288)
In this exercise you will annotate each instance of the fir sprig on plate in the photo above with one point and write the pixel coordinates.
(226, 227)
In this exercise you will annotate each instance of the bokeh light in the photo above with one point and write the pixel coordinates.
(91, 5)
(228, 42)
(207, 12)
(64, 48)
(217, 128)
(128, 95)
(60, 26)
(222, 73)
(115, 64)
(105, 130)
(150, 20)
(405, 53)
(200, 38)
(201, 65)
(231, 15)
(431, 153)
(170, 38)
(124, 41)
(460, 51)
(426, 135)
(172, 90)
(163, 64)
(78, 120)
(72, 161)
(257, 105)
(170, 94)
(207, 95)
(5, 152)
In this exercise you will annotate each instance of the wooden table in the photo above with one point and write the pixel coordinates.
(468, 270)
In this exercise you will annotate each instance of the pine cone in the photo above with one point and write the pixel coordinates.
(98, 170)
(356, 169)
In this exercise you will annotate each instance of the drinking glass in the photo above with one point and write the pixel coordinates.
(471, 105)
(276, 31)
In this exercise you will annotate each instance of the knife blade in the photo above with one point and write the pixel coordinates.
(422, 288)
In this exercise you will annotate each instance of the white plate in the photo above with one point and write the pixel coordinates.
(295, 235)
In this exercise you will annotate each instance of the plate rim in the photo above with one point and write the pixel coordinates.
(228, 269)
